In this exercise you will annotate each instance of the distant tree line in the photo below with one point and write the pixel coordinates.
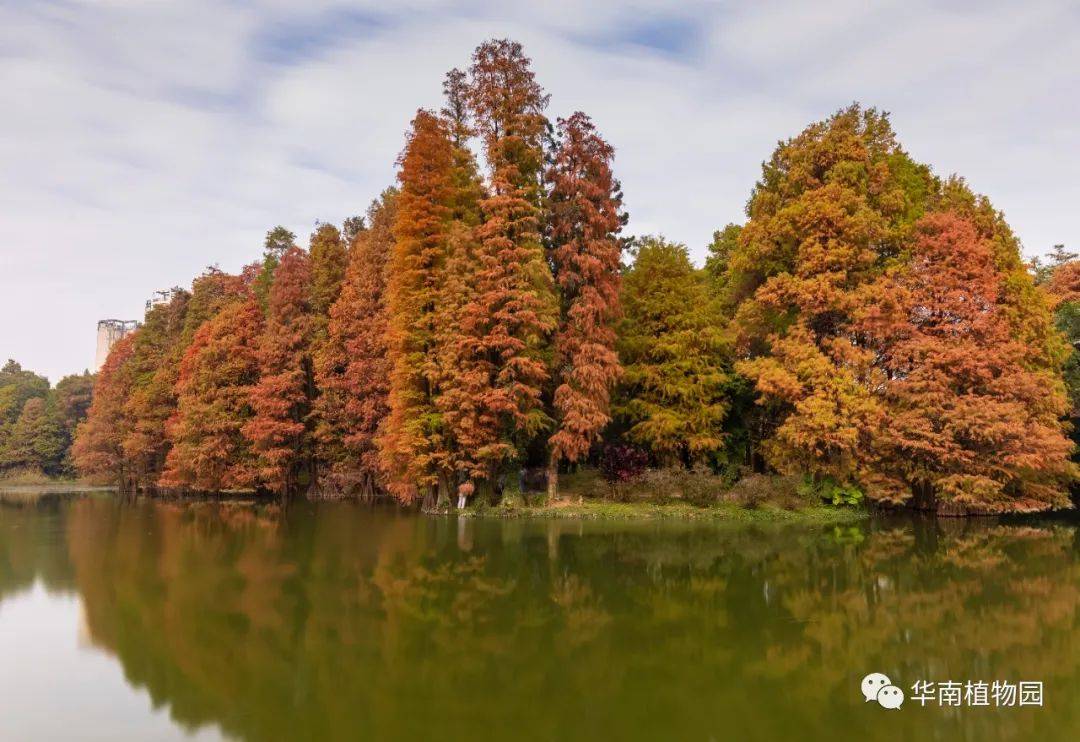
(37, 422)
(870, 326)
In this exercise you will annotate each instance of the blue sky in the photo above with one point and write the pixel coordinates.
(146, 139)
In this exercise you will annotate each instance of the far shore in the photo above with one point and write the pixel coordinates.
(592, 509)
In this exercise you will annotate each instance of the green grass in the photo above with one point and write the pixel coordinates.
(726, 512)
(672, 494)
(22, 492)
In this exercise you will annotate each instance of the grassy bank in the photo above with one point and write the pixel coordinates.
(21, 492)
(672, 494)
(727, 512)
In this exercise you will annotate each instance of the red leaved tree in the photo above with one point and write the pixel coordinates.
(970, 424)
(280, 429)
(152, 398)
(585, 252)
(98, 448)
(504, 325)
(352, 368)
(217, 374)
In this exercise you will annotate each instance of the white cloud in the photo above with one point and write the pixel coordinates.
(144, 139)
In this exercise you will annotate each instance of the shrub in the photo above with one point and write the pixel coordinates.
(831, 491)
(759, 489)
(697, 486)
(620, 464)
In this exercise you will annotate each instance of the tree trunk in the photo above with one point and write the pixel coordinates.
(430, 499)
(444, 492)
(553, 477)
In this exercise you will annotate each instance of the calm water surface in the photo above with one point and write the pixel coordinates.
(163, 621)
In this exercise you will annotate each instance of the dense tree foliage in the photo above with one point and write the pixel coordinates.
(35, 440)
(281, 427)
(505, 323)
(98, 448)
(833, 206)
(414, 433)
(218, 374)
(152, 396)
(352, 366)
(328, 261)
(18, 385)
(870, 327)
(278, 241)
(70, 403)
(585, 253)
(967, 419)
(1062, 282)
(676, 355)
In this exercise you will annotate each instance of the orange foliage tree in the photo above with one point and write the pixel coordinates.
(352, 368)
(98, 448)
(217, 374)
(152, 398)
(413, 442)
(505, 324)
(584, 250)
(971, 425)
(280, 429)
(833, 206)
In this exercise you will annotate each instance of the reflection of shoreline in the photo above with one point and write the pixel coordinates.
(333, 620)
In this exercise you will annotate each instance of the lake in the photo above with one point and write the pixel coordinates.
(159, 620)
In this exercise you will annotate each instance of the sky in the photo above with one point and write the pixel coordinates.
(143, 140)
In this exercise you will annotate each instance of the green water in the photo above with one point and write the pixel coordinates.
(159, 621)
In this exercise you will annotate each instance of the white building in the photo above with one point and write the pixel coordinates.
(109, 331)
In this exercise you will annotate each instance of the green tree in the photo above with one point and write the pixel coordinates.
(277, 241)
(70, 403)
(16, 387)
(724, 244)
(351, 229)
(36, 441)
(674, 396)
(328, 261)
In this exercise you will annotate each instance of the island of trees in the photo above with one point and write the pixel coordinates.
(870, 328)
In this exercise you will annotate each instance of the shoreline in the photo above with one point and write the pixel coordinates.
(569, 508)
(651, 511)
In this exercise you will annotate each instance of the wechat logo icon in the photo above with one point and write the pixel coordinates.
(878, 687)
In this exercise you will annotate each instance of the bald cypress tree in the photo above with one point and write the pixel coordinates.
(98, 449)
(972, 425)
(352, 366)
(413, 434)
(151, 399)
(280, 429)
(585, 252)
(328, 260)
(505, 323)
(217, 374)
(833, 207)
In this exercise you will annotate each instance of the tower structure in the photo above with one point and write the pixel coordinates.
(109, 331)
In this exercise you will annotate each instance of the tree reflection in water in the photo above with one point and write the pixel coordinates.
(336, 621)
